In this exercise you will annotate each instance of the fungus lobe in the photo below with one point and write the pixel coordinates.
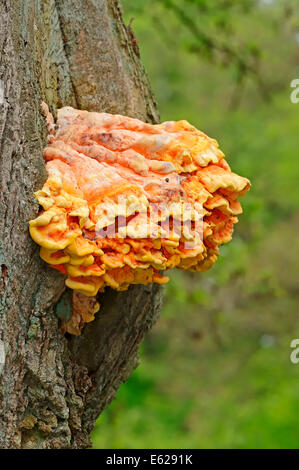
(126, 200)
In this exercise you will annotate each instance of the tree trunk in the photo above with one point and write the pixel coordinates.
(52, 388)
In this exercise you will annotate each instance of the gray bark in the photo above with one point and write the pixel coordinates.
(52, 388)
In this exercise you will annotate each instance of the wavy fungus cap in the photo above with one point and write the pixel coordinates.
(125, 200)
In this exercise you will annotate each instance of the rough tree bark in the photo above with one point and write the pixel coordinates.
(52, 388)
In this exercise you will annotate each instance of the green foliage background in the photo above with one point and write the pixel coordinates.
(215, 371)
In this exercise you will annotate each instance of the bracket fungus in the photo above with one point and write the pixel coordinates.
(125, 200)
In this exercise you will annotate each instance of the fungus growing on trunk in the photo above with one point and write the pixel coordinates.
(125, 200)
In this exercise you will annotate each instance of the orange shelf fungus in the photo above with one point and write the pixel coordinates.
(126, 200)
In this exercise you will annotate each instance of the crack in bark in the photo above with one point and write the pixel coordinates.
(64, 42)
